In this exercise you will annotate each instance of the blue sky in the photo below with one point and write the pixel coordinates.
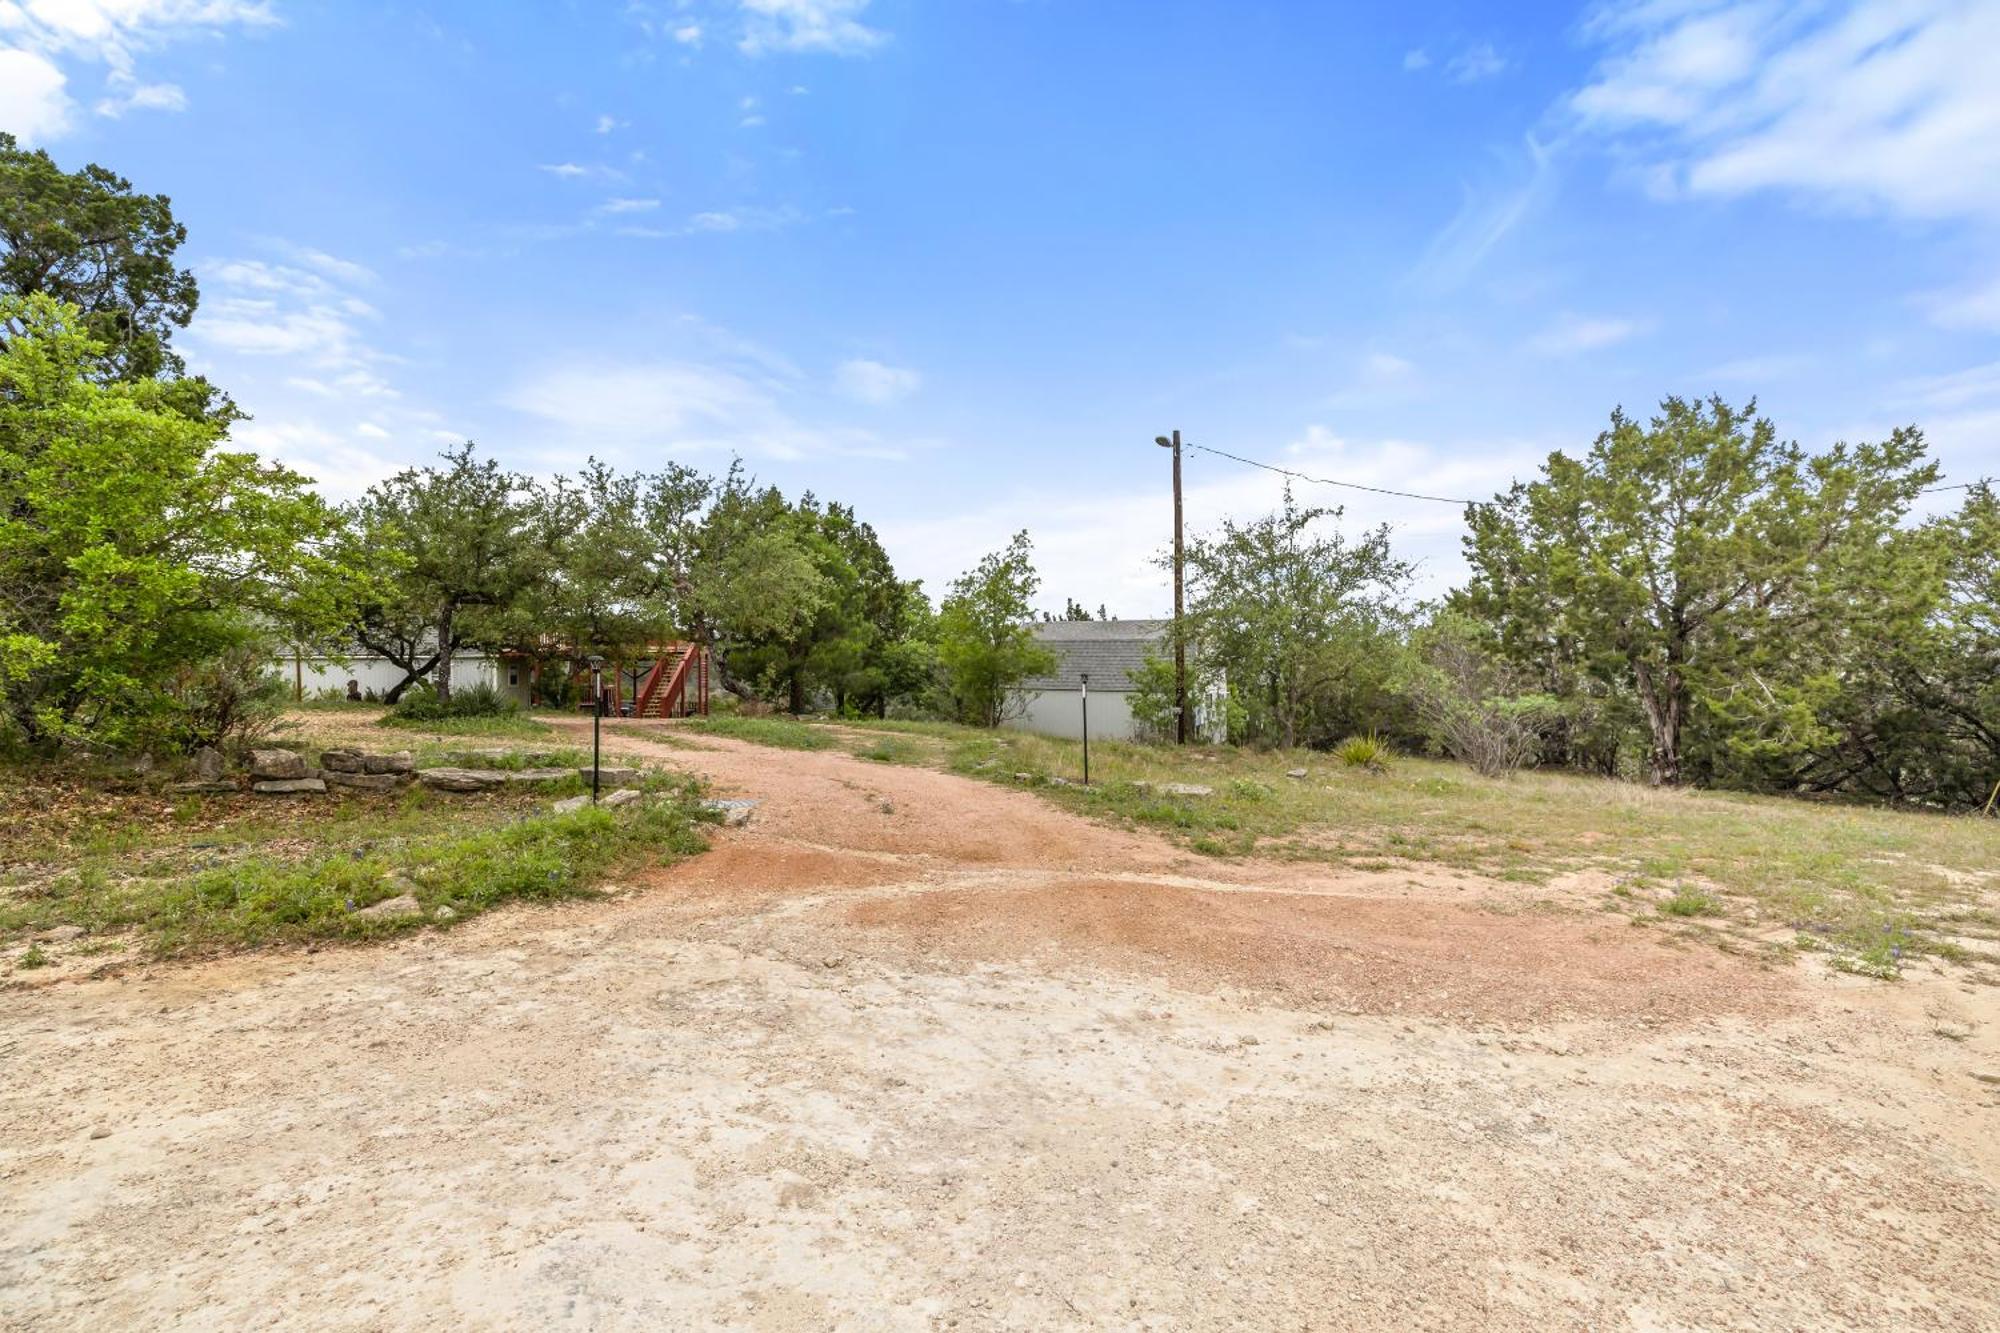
(958, 262)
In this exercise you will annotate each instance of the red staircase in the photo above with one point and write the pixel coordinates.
(677, 686)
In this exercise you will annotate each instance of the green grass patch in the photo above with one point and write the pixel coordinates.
(890, 750)
(1690, 901)
(519, 725)
(217, 895)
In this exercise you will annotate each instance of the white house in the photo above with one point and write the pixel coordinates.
(1109, 651)
(308, 675)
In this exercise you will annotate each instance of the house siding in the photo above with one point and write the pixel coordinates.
(312, 674)
(1060, 713)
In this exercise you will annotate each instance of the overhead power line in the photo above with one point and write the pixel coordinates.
(1328, 481)
(1446, 499)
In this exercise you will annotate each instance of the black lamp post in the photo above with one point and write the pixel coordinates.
(1084, 694)
(596, 721)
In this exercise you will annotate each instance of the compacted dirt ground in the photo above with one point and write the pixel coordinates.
(913, 1052)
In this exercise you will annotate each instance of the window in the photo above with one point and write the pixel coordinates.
(513, 675)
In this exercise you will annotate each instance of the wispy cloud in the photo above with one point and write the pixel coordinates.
(1976, 307)
(830, 26)
(635, 410)
(1490, 211)
(1572, 334)
(1888, 105)
(1475, 63)
(875, 383)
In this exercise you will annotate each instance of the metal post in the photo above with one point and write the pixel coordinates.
(596, 723)
(1085, 696)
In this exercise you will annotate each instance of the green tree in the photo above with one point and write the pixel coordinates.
(1299, 623)
(84, 237)
(986, 643)
(132, 544)
(458, 541)
(1689, 561)
(1912, 709)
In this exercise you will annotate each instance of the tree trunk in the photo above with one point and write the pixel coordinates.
(445, 618)
(1665, 706)
(798, 695)
(411, 675)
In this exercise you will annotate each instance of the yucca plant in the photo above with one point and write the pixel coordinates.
(1370, 752)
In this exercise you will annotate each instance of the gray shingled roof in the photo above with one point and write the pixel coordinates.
(1110, 650)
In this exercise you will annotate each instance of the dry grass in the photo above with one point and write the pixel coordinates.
(1870, 887)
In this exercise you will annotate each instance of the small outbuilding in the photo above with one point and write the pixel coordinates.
(1110, 652)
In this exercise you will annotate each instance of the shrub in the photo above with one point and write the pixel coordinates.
(1472, 702)
(1370, 752)
(228, 701)
(421, 704)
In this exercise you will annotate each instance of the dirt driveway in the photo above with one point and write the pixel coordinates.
(911, 1052)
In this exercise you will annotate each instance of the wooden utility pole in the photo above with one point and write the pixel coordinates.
(1180, 642)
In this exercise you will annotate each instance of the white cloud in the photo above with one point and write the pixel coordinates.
(370, 430)
(606, 124)
(635, 411)
(33, 103)
(1475, 63)
(628, 205)
(1975, 308)
(1416, 60)
(1974, 385)
(831, 26)
(1378, 378)
(743, 219)
(39, 37)
(1886, 105)
(563, 170)
(144, 97)
(1099, 546)
(1572, 334)
(688, 34)
(874, 383)
(257, 309)
(343, 469)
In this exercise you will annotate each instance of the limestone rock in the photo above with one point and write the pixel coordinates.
(735, 814)
(461, 779)
(204, 788)
(537, 774)
(1186, 789)
(569, 805)
(402, 904)
(343, 761)
(611, 777)
(623, 796)
(278, 766)
(290, 787)
(362, 781)
(1296, 774)
(400, 762)
(208, 765)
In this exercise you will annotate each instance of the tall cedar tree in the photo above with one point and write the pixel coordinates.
(1688, 559)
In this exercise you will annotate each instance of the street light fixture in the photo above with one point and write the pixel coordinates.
(596, 722)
